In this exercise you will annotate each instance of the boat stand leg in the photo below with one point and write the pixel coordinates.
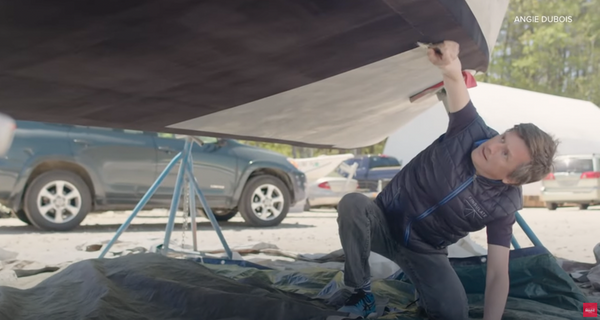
(515, 243)
(177, 194)
(530, 234)
(193, 208)
(208, 211)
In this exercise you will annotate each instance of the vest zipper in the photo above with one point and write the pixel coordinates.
(429, 211)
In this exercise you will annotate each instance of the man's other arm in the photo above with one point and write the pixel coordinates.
(497, 282)
(451, 68)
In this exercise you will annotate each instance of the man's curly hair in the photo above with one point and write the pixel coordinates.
(542, 148)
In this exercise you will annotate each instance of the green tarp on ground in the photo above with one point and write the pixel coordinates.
(539, 289)
(151, 286)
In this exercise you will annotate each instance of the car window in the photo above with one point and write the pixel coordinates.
(106, 129)
(573, 165)
(176, 136)
(166, 135)
(93, 128)
(352, 161)
(208, 139)
(378, 162)
(132, 131)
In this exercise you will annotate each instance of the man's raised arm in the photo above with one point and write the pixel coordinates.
(445, 57)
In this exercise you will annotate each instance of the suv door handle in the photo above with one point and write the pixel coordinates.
(80, 141)
(166, 149)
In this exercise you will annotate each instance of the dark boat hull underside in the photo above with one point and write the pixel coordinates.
(303, 72)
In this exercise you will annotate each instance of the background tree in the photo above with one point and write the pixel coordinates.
(550, 57)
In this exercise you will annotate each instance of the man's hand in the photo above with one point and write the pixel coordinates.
(445, 57)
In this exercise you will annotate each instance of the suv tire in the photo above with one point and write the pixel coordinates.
(221, 216)
(551, 206)
(77, 202)
(274, 207)
(21, 215)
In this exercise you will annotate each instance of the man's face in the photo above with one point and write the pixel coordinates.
(498, 157)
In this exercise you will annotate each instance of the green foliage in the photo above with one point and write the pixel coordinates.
(550, 57)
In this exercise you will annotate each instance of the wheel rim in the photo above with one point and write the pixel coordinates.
(59, 201)
(267, 202)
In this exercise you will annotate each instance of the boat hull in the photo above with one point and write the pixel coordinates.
(335, 73)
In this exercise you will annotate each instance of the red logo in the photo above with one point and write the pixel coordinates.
(590, 310)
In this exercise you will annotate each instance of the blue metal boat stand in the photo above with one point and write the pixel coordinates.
(530, 234)
(185, 174)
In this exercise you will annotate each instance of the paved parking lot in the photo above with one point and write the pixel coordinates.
(567, 232)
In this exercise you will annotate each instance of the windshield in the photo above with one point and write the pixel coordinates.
(207, 139)
(573, 165)
(177, 136)
(379, 162)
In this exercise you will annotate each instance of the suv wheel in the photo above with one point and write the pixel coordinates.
(57, 201)
(265, 201)
(226, 216)
(220, 215)
(21, 215)
(551, 206)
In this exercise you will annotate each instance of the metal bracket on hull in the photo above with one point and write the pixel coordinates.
(435, 89)
(186, 172)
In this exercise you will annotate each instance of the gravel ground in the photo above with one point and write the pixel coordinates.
(568, 233)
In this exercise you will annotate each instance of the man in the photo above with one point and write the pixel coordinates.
(467, 179)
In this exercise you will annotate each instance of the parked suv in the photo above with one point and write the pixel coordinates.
(54, 175)
(575, 179)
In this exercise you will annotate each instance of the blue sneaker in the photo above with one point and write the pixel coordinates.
(361, 304)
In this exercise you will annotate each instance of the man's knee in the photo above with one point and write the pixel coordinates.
(352, 202)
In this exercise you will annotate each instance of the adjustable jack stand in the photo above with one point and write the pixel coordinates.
(186, 169)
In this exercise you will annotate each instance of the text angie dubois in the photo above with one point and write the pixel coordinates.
(544, 19)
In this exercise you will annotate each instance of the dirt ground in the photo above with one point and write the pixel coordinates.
(568, 233)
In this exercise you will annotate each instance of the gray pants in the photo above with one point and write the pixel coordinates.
(363, 228)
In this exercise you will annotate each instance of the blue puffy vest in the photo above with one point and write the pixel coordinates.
(437, 198)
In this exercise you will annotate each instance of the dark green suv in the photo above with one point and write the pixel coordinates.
(54, 175)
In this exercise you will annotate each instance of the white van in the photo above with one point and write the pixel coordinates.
(575, 179)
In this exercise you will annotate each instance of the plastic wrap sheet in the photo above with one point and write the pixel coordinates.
(150, 286)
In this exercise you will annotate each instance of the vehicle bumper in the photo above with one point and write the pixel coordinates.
(319, 197)
(587, 195)
(299, 186)
(331, 199)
